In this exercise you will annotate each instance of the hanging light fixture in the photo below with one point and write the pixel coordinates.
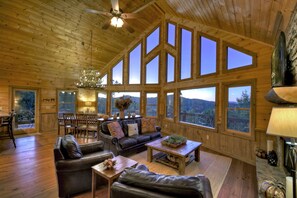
(90, 77)
(117, 22)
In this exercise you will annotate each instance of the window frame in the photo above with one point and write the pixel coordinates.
(166, 34)
(159, 69)
(106, 106)
(251, 134)
(111, 72)
(174, 67)
(241, 49)
(105, 74)
(174, 105)
(180, 28)
(145, 102)
(200, 34)
(76, 99)
(145, 38)
(215, 129)
(110, 100)
(141, 63)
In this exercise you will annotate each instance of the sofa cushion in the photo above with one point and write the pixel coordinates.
(115, 130)
(153, 135)
(141, 138)
(72, 147)
(132, 129)
(185, 186)
(148, 125)
(126, 142)
(125, 126)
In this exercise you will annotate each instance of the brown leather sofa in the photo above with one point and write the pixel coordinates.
(141, 183)
(75, 175)
(128, 144)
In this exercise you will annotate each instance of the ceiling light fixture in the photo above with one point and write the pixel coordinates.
(90, 77)
(117, 22)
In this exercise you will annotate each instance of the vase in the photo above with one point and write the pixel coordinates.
(122, 114)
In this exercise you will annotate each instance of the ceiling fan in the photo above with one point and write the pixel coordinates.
(118, 16)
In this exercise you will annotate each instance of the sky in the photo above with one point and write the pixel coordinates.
(208, 62)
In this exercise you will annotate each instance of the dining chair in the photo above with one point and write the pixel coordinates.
(60, 122)
(81, 123)
(6, 122)
(92, 121)
(69, 123)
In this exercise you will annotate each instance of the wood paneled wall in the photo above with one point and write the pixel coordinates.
(240, 148)
(29, 71)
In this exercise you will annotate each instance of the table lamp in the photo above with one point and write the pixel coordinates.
(283, 122)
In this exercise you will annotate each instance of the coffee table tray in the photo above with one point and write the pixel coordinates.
(162, 158)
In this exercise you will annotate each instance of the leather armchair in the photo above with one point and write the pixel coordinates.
(75, 175)
(140, 183)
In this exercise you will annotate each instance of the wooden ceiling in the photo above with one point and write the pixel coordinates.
(257, 19)
(48, 41)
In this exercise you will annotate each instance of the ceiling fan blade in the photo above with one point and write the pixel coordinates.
(106, 24)
(98, 12)
(128, 27)
(148, 3)
(115, 4)
(130, 16)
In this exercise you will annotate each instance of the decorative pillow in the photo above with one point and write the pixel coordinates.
(132, 129)
(148, 125)
(115, 130)
(72, 147)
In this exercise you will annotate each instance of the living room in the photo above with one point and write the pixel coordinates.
(201, 70)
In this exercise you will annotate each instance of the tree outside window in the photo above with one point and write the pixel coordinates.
(239, 109)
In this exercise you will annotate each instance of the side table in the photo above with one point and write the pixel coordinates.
(111, 174)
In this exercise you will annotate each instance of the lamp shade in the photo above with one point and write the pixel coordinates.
(283, 122)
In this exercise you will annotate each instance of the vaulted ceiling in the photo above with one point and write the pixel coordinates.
(53, 37)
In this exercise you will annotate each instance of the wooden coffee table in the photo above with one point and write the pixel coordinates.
(111, 174)
(181, 152)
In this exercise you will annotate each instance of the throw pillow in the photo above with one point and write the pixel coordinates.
(115, 130)
(148, 125)
(72, 147)
(132, 129)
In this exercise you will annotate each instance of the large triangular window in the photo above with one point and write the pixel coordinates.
(152, 40)
(238, 59)
(117, 73)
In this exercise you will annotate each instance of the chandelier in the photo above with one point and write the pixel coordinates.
(90, 78)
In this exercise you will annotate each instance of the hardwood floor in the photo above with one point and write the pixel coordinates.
(28, 170)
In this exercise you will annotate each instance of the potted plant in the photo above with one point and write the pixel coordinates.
(174, 141)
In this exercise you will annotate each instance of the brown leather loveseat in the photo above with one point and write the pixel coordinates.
(141, 183)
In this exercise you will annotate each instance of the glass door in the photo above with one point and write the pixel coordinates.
(24, 105)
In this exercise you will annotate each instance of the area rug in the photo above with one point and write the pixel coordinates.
(215, 167)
